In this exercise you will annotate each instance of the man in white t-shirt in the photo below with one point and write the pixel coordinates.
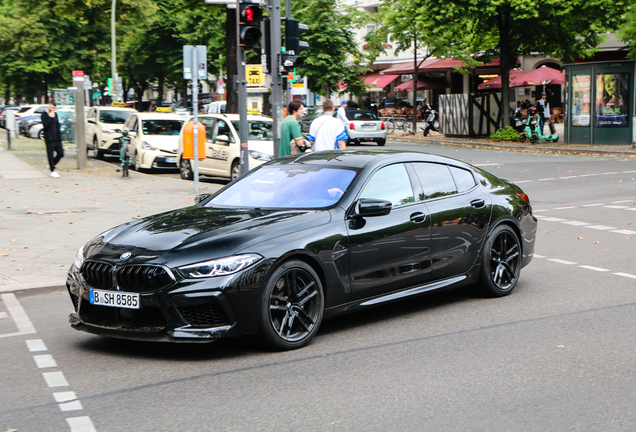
(327, 132)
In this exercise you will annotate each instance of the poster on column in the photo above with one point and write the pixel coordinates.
(581, 100)
(612, 100)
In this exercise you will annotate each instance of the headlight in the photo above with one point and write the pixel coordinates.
(260, 156)
(220, 267)
(107, 131)
(147, 146)
(79, 258)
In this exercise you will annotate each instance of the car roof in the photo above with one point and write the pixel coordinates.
(368, 158)
(234, 117)
(156, 115)
(112, 108)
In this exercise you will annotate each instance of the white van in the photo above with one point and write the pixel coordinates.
(216, 107)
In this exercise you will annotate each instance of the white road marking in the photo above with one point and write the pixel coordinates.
(568, 177)
(36, 345)
(598, 269)
(546, 179)
(592, 205)
(564, 208)
(81, 424)
(553, 219)
(627, 172)
(55, 379)
(615, 207)
(18, 314)
(621, 202)
(488, 164)
(537, 211)
(600, 227)
(3, 315)
(624, 232)
(64, 396)
(523, 181)
(588, 175)
(576, 223)
(627, 275)
(71, 406)
(44, 361)
(538, 256)
(608, 173)
(561, 261)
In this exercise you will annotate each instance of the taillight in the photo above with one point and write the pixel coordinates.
(524, 197)
(352, 126)
(382, 125)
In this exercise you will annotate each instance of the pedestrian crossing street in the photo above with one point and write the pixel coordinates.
(627, 205)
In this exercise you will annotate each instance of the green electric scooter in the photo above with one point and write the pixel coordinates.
(532, 131)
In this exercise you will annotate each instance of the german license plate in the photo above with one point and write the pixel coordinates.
(115, 299)
(171, 160)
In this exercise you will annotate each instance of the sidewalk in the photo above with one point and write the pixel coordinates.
(45, 220)
(541, 146)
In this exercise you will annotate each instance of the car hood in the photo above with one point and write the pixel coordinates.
(198, 233)
(163, 142)
(266, 147)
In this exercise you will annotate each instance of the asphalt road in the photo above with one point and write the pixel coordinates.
(556, 355)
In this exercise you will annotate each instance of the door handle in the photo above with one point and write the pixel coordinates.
(417, 217)
(478, 203)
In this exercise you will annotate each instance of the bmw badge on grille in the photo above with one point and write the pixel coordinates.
(125, 256)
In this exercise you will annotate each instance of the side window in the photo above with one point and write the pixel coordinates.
(41, 109)
(91, 114)
(463, 179)
(134, 123)
(436, 180)
(209, 127)
(224, 129)
(391, 183)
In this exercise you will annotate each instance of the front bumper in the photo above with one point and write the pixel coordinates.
(152, 159)
(184, 311)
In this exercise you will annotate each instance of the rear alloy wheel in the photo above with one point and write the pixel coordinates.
(292, 306)
(501, 262)
(235, 171)
(185, 170)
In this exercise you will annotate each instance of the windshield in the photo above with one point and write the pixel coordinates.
(162, 127)
(287, 186)
(114, 117)
(257, 130)
(361, 115)
(24, 109)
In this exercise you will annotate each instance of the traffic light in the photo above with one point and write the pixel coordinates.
(250, 25)
(293, 45)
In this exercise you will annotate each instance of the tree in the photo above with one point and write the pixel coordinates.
(403, 22)
(506, 29)
(333, 55)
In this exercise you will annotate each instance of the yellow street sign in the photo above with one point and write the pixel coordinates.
(164, 109)
(254, 75)
(119, 104)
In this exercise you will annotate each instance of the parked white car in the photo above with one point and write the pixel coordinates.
(222, 148)
(154, 139)
(103, 129)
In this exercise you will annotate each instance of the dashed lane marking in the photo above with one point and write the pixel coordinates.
(588, 267)
(576, 223)
(45, 361)
(598, 269)
(592, 205)
(600, 227)
(55, 379)
(627, 275)
(36, 345)
(560, 261)
(80, 424)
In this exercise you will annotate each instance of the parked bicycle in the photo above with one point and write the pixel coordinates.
(393, 123)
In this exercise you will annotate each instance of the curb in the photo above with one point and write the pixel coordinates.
(516, 147)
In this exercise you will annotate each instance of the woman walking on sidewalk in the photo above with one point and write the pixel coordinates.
(52, 137)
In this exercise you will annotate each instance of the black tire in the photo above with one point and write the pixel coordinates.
(185, 170)
(41, 134)
(292, 307)
(235, 171)
(523, 138)
(426, 131)
(555, 140)
(98, 153)
(500, 262)
(381, 142)
(534, 138)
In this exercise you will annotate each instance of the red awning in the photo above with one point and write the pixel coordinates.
(516, 75)
(407, 67)
(374, 81)
(422, 84)
(542, 75)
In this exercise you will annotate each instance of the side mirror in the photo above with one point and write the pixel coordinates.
(201, 197)
(91, 121)
(367, 207)
(223, 138)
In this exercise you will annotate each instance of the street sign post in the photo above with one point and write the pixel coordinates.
(80, 137)
(195, 68)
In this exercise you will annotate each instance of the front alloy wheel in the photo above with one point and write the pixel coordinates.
(184, 169)
(501, 262)
(293, 304)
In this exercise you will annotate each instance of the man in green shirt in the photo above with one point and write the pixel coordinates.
(290, 130)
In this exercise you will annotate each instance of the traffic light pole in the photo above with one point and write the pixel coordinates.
(277, 82)
(242, 99)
